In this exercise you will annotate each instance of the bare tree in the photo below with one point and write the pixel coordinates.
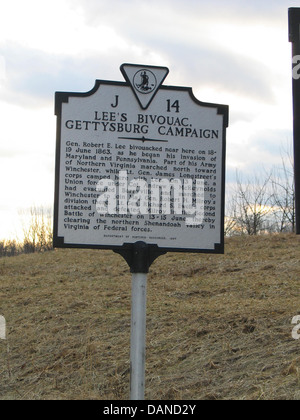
(252, 205)
(283, 196)
(37, 231)
(231, 225)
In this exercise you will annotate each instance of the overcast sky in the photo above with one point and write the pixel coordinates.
(233, 52)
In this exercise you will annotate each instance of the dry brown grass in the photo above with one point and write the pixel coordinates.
(218, 327)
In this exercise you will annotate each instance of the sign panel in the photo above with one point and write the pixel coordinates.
(139, 161)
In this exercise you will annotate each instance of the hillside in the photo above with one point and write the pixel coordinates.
(218, 327)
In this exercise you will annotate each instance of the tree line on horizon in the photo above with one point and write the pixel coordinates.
(37, 234)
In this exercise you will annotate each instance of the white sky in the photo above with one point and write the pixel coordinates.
(234, 52)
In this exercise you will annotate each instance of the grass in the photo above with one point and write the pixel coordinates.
(218, 327)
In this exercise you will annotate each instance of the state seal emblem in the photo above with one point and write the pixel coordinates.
(145, 81)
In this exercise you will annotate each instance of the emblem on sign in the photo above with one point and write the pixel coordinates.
(145, 81)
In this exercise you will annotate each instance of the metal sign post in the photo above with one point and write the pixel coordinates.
(294, 38)
(138, 336)
(139, 257)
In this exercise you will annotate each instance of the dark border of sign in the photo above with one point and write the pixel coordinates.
(63, 97)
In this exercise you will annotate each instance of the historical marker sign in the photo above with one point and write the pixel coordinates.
(139, 161)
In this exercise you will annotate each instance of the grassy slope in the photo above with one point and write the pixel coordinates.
(218, 327)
